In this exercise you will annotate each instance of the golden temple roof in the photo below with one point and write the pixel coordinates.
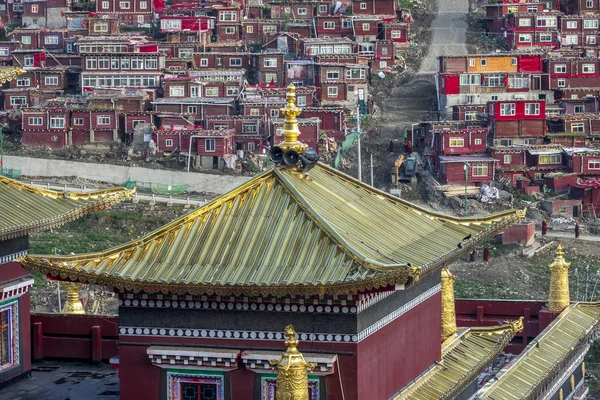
(528, 375)
(464, 357)
(26, 209)
(284, 233)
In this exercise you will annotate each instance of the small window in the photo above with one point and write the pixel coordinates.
(571, 24)
(593, 164)
(177, 91)
(301, 100)
(480, 170)
(51, 39)
(560, 68)
(192, 109)
(210, 145)
(51, 80)
(23, 81)
(332, 91)
(578, 109)
(211, 91)
(235, 62)
(507, 109)
(101, 27)
(105, 5)
(103, 119)
(589, 4)
(525, 38)
(57, 122)
(204, 62)
(588, 68)
(366, 27)
(251, 146)
(124, 5)
(396, 34)
(323, 8)
(249, 29)
(270, 62)
(457, 142)
(561, 82)
(274, 113)
(26, 39)
(333, 75)
(233, 90)
(271, 77)
(507, 159)
(590, 24)
(578, 127)
(494, 97)
(477, 142)
(302, 11)
(229, 30)
(143, 5)
(35, 121)
(532, 109)
(329, 25)
(513, 61)
(363, 6)
(78, 121)
(168, 142)
(471, 62)
(4, 51)
(35, 9)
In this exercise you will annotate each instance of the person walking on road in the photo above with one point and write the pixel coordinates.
(576, 229)
(544, 227)
(486, 253)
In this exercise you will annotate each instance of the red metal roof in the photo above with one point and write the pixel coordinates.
(587, 184)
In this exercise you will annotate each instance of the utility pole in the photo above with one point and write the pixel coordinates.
(1, 152)
(466, 168)
(371, 169)
(358, 134)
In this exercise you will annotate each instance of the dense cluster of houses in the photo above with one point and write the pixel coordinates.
(528, 117)
(211, 79)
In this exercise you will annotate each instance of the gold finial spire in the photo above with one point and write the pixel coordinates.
(290, 124)
(73, 304)
(448, 311)
(292, 370)
(559, 282)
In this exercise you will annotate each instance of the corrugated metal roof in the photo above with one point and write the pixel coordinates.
(25, 209)
(284, 233)
(462, 360)
(527, 375)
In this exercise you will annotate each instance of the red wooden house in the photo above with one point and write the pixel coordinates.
(248, 131)
(95, 126)
(293, 10)
(384, 56)
(480, 170)
(365, 29)
(572, 72)
(331, 120)
(334, 26)
(45, 127)
(374, 7)
(131, 12)
(530, 30)
(131, 119)
(310, 47)
(543, 160)
(496, 12)
(583, 161)
(461, 141)
(517, 119)
(397, 32)
(221, 60)
(511, 162)
(267, 68)
(589, 194)
(102, 26)
(259, 30)
(578, 30)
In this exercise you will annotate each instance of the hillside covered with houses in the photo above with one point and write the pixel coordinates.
(205, 78)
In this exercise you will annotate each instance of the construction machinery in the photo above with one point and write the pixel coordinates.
(405, 169)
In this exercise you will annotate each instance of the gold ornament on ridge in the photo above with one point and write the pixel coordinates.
(559, 282)
(292, 370)
(290, 124)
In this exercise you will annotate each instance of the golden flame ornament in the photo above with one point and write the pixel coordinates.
(73, 304)
(292, 370)
(448, 310)
(559, 282)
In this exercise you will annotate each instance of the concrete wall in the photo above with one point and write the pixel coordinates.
(118, 175)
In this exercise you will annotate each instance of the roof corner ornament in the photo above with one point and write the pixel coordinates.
(517, 326)
(448, 310)
(559, 282)
(292, 370)
(291, 152)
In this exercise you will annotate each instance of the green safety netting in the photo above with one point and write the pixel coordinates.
(157, 188)
(344, 147)
(11, 173)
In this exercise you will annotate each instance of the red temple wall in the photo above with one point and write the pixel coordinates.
(11, 271)
(400, 351)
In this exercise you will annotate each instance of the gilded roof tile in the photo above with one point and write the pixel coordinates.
(25, 209)
(529, 374)
(463, 358)
(281, 233)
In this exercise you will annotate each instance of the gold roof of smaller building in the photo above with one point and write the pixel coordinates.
(281, 233)
(26, 209)
(464, 356)
(528, 375)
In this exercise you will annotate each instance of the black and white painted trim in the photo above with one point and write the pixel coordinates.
(269, 335)
(10, 257)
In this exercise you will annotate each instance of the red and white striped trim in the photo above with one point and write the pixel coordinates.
(15, 288)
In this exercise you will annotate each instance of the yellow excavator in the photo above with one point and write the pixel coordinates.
(404, 170)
